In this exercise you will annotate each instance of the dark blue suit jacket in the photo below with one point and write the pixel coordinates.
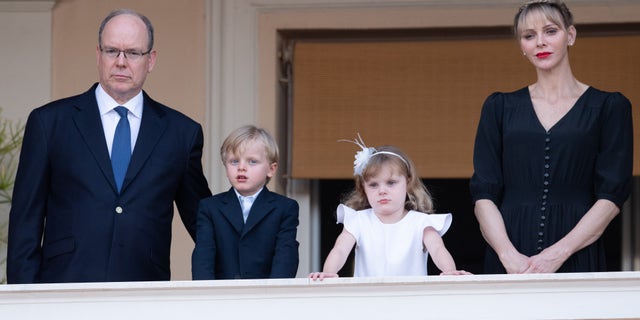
(264, 247)
(69, 224)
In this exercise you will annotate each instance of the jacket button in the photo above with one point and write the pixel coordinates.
(119, 210)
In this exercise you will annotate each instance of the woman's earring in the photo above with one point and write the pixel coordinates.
(524, 53)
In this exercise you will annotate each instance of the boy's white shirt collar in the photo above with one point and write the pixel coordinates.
(255, 195)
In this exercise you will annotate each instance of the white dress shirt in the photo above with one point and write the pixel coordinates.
(246, 202)
(110, 117)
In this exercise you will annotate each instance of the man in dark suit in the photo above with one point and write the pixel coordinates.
(247, 232)
(99, 173)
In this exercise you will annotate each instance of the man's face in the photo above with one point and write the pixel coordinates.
(122, 77)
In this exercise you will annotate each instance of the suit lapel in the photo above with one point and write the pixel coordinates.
(152, 126)
(89, 124)
(232, 211)
(261, 207)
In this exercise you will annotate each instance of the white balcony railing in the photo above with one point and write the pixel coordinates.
(548, 296)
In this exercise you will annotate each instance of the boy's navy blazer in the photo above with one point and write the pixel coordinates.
(68, 223)
(263, 247)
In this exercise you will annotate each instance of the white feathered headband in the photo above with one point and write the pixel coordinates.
(362, 157)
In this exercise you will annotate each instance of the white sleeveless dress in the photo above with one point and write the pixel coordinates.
(390, 249)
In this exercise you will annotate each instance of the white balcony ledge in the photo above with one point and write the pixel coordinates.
(549, 296)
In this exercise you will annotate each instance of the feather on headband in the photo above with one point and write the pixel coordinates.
(362, 157)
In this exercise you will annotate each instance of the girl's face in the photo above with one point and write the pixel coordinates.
(544, 42)
(386, 192)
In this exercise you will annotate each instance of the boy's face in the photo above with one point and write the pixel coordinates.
(249, 169)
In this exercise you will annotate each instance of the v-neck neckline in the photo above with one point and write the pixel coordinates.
(535, 114)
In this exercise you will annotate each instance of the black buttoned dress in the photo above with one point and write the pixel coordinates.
(543, 181)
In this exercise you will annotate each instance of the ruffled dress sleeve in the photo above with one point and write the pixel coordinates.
(438, 221)
(348, 217)
(487, 180)
(614, 163)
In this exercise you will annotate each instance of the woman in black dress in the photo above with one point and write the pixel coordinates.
(552, 161)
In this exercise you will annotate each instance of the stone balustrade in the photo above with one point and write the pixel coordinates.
(614, 295)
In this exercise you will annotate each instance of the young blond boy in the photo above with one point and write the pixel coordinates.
(247, 232)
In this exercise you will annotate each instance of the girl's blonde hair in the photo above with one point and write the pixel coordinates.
(418, 197)
(556, 11)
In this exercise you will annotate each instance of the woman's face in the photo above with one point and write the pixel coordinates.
(544, 42)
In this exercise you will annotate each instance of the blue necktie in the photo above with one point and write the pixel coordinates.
(121, 148)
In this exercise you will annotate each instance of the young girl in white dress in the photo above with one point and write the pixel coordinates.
(388, 219)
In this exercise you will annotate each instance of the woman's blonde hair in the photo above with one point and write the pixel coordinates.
(418, 197)
(556, 11)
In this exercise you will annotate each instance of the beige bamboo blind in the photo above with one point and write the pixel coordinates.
(425, 96)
